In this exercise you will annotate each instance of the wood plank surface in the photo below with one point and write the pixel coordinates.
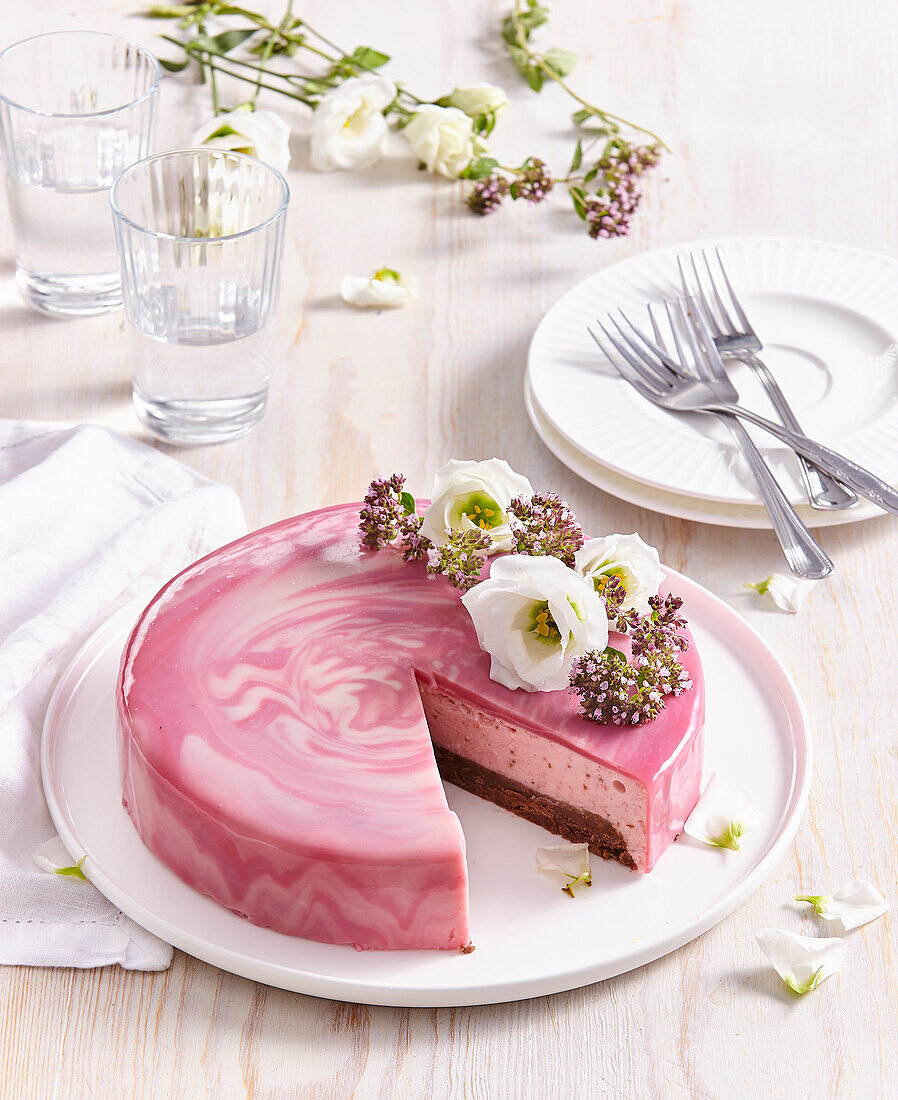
(783, 119)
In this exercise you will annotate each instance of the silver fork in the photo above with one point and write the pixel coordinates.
(736, 339)
(801, 551)
(659, 378)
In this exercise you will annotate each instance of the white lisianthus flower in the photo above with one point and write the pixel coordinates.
(469, 494)
(801, 961)
(479, 99)
(852, 905)
(721, 815)
(788, 593)
(535, 617)
(571, 861)
(635, 564)
(348, 127)
(442, 138)
(260, 134)
(385, 289)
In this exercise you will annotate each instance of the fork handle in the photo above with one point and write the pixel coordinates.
(859, 479)
(804, 556)
(824, 492)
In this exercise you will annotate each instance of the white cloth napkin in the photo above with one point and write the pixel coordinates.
(88, 520)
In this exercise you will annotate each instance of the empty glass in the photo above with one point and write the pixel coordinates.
(76, 107)
(200, 234)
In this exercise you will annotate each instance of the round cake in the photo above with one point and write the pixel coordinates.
(290, 706)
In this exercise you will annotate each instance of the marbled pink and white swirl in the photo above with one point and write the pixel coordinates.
(274, 749)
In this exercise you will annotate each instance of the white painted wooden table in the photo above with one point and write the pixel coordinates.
(784, 120)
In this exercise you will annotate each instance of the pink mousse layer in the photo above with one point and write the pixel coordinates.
(547, 767)
(274, 751)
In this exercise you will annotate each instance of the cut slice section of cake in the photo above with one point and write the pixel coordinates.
(280, 705)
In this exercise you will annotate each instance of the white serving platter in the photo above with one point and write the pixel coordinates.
(530, 938)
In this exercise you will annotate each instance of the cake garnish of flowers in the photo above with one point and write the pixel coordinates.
(542, 599)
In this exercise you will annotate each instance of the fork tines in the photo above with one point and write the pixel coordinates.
(718, 316)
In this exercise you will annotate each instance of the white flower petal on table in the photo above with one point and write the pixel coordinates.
(722, 815)
(852, 905)
(53, 857)
(383, 290)
(571, 861)
(788, 593)
(803, 962)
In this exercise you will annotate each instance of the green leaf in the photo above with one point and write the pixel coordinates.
(168, 11)
(234, 9)
(616, 653)
(578, 198)
(480, 168)
(578, 157)
(366, 58)
(174, 66)
(520, 58)
(219, 44)
(408, 503)
(591, 174)
(535, 16)
(508, 31)
(561, 62)
(535, 77)
(230, 40)
(582, 115)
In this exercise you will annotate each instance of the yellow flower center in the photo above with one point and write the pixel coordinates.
(483, 517)
(600, 581)
(543, 625)
(481, 510)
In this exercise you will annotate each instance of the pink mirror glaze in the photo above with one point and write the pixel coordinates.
(274, 750)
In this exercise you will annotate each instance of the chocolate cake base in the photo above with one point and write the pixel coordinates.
(578, 826)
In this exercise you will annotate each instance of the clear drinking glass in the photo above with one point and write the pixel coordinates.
(76, 107)
(200, 234)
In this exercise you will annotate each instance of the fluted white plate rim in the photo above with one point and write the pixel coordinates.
(678, 505)
(531, 939)
(828, 314)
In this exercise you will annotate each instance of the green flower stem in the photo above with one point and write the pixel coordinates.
(576, 880)
(326, 41)
(216, 102)
(217, 68)
(537, 59)
(276, 34)
(268, 48)
(290, 78)
(287, 37)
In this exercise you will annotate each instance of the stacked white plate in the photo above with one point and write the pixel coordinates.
(828, 318)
